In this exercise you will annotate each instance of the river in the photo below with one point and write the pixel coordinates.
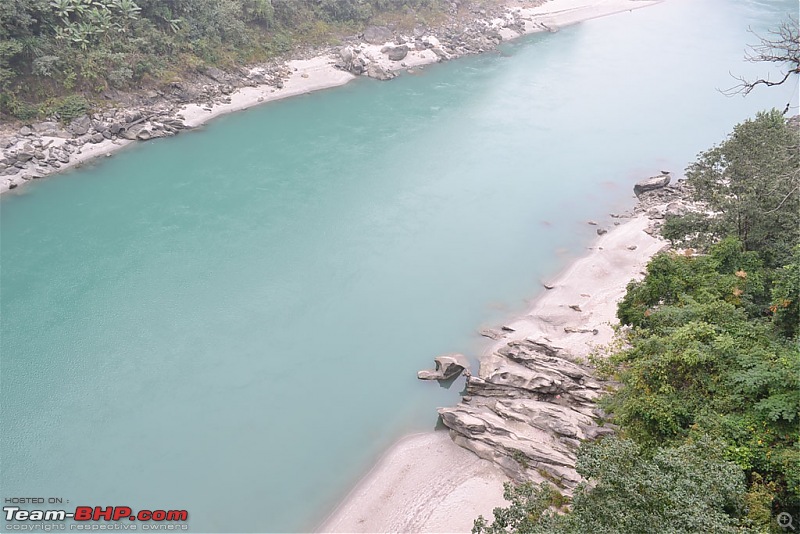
(230, 321)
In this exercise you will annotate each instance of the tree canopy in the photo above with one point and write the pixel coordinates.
(708, 406)
(751, 186)
(53, 48)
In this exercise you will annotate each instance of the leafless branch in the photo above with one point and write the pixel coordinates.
(782, 46)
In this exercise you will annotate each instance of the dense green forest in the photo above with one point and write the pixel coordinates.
(708, 403)
(53, 48)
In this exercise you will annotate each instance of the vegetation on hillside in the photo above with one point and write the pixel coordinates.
(53, 48)
(708, 406)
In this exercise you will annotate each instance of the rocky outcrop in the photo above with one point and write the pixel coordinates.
(651, 184)
(448, 367)
(375, 70)
(43, 148)
(378, 34)
(528, 410)
(397, 53)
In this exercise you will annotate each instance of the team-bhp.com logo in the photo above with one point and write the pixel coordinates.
(96, 513)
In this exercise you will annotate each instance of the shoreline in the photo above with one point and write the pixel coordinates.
(385, 495)
(56, 150)
(432, 477)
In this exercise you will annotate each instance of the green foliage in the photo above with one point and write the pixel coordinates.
(52, 47)
(705, 357)
(752, 184)
(786, 297)
(708, 366)
(690, 488)
(530, 511)
(69, 108)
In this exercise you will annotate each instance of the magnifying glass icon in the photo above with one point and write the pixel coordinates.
(785, 520)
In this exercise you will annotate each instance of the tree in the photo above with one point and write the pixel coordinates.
(782, 46)
(690, 488)
(751, 183)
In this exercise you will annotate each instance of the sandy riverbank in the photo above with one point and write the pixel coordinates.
(424, 483)
(320, 72)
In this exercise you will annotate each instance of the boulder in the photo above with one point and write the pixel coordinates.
(448, 366)
(440, 53)
(60, 155)
(676, 208)
(130, 132)
(97, 137)
(397, 53)
(346, 56)
(379, 73)
(359, 66)
(431, 42)
(24, 155)
(651, 184)
(49, 128)
(80, 126)
(377, 34)
(216, 74)
(26, 131)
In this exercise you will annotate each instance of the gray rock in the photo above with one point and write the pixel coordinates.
(38, 154)
(359, 66)
(379, 73)
(675, 208)
(97, 137)
(528, 411)
(378, 34)
(144, 134)
(24, 155)
(440, 53)
(651, 184)
(346, 57)
(397, 53)
(216, 74)
(448, 367)
(26, 131)
(80, 126)
(491, 333)
(601, 231)
(130, 132)
(49, 128)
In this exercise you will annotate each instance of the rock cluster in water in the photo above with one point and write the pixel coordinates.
(533, 402)
(528, 410)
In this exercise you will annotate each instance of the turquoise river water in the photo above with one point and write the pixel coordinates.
(230, 321)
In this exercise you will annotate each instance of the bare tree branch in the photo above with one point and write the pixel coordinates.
(782, 46)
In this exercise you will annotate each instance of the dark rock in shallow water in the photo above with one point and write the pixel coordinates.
(379, 73)
(651, 184)
(448, 367)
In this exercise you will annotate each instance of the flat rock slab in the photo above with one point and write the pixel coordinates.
(651, 184)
